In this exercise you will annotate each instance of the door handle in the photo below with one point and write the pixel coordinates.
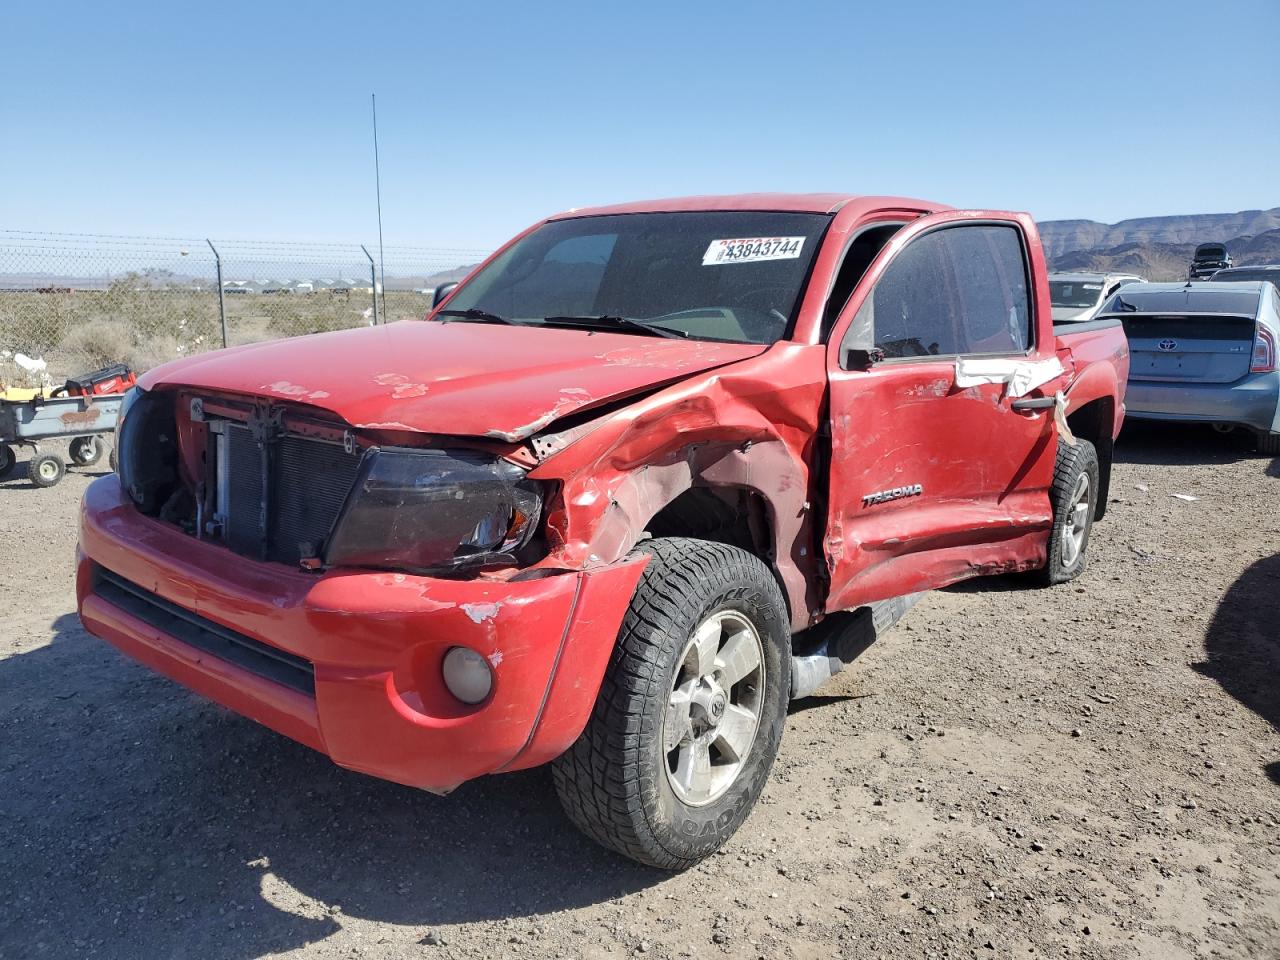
(1031, 404)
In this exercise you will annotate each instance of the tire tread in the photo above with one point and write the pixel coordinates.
(1072, 460)
(600, 779)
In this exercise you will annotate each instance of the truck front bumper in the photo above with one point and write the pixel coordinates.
(349, 662)
(1252, 401)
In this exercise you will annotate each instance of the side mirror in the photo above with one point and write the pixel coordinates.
(439, 293)
(861, 358)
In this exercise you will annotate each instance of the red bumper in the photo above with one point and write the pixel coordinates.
(375, 641)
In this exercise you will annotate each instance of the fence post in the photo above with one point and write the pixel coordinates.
(373, 278)
(222, 307)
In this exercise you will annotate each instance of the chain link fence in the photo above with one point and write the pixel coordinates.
(83, 301)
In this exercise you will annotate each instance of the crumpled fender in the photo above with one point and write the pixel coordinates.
(750, 425)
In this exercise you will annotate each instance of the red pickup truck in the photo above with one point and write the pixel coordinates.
(649, 473)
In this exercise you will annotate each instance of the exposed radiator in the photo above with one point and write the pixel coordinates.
(279, 501)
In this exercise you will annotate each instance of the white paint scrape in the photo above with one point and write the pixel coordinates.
(480, 612)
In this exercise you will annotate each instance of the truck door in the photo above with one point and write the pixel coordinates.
(931, 482)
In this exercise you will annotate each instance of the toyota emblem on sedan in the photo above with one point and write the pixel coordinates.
(1168, 345)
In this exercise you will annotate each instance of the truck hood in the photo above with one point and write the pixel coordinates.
(465, 379)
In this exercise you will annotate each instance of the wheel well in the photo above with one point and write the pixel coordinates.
(730, 515)
(1093, 422)
(723, 515)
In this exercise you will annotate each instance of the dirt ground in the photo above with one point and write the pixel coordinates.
(1087, 771)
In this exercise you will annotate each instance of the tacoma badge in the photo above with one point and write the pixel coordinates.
(897, 493)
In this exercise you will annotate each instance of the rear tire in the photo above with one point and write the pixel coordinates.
(1269, 444)
(46, 470)
(1074, 496)
(8, 460)
(688, 719)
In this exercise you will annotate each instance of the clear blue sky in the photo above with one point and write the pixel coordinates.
(252, 120)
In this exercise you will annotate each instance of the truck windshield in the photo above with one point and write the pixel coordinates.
(713, 275)
(1074, 293)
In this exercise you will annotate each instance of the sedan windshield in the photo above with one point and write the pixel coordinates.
(713, 275)
(1074, 293)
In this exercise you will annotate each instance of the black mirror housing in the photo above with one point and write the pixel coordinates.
(862, 358)
(439, 293)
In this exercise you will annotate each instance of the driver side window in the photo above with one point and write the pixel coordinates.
(956, 290)
(911, 312)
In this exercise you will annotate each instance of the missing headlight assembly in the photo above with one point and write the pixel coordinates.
(147, 449)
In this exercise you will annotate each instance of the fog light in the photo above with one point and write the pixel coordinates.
(467, 675)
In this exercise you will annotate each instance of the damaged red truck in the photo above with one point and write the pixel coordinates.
(650, 472)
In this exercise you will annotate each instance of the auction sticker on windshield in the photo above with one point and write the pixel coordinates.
(752, 250)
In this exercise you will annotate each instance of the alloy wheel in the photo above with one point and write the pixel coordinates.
(1077, 522)
(713, 710)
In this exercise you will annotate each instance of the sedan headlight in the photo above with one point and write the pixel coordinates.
(434, 511)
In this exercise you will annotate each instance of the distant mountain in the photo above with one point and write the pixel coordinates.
(1159, 248)
(448, 276)
(1164, 261)
(1065, 236)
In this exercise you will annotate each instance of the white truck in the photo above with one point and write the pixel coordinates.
(1079, 296)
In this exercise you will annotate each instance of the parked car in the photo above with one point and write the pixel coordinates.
(1268, 271)
(1079, 296)
(1204, 352)
(1208, 259)
(647, 474)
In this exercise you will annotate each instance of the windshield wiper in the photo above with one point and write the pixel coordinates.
(483, 316)
(609, 321)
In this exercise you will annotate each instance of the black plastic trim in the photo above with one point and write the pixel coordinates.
(212, 638)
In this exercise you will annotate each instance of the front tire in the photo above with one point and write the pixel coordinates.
(1074, 496)
(690, 714)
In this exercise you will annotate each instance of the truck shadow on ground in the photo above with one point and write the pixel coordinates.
(1242, 645)
(143, 821)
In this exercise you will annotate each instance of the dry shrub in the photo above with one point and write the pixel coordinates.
(158, 349)
(101, 342)
(244, 330)
(97, 343)
(136, 322)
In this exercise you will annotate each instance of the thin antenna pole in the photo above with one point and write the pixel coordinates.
(377, 179)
